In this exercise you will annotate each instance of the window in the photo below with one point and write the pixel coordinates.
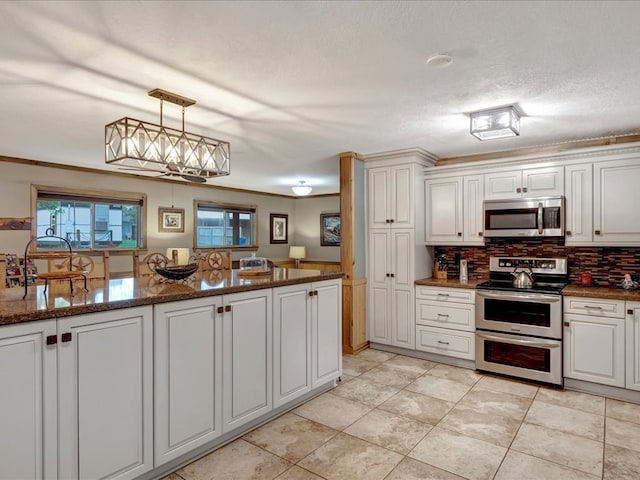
(220, 225)
(89, 220)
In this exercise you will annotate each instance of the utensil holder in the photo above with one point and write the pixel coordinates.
(439, 273)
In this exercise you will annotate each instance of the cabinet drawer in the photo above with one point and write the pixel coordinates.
(442, 341)
(448, 315)
(459, 295)
(594, 306)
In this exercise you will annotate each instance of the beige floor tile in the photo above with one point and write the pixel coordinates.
(519, 466)
(333, 411)
(387, 430)
(465, 456)
(628, 412)
(236, 460)
(457, 374)
(508, 386)
(488, 426)
(392, 376)
(365, 391)
(172, 476)
(373, 355)
(499, 403)
(297, 473)
(621, 463)
(355, 366)
(623, 434)
(409, 363)
(290, 436)
(348, 458)
(410, 469)
(437, 387)
(567, 398)
(566, 420)
(559, 447)
(417, 406)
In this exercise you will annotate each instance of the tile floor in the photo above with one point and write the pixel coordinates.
(395, 417)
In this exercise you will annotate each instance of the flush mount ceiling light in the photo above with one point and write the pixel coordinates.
(495, 123)
(439, 60)
(301, 190)
(149, 147)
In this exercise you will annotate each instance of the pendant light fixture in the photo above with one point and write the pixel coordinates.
(495, 123)
(301, 190)
(146, 146)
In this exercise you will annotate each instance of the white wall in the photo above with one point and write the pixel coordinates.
(15, 187)
(307, 221)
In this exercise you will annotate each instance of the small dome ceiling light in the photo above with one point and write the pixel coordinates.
(301, 190)
(440, 60)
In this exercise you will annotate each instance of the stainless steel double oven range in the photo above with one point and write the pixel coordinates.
(518, 328)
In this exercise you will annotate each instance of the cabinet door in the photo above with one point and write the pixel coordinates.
(379, 302)
(379, 197)
(106, 394)
(188, 376)
(291, 343)
(443, 210)
(402, 317)
(500, 185)
(543, 182)
(473, 209)
(247, 357)
(29, 401)
(633, 345)
(326, 331)
(616, 197)
(579, 204)
(594, 349)
(402, 205)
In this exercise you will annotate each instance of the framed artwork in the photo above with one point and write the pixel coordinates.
(330, 229)
(279, 228)
(170, 219)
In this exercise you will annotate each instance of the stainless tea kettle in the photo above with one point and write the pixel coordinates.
(522, 279)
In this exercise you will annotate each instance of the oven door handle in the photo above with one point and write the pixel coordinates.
(540, 224)
(536, 297)
(512, 341)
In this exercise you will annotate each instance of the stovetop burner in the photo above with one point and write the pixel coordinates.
(550, 275)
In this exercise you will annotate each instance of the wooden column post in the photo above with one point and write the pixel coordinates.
(354, 318)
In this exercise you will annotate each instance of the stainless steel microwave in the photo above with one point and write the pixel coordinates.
(524, 217)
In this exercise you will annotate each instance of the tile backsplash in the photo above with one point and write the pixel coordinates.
(607, 264)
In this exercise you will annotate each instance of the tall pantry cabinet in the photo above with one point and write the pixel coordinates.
(396, 254)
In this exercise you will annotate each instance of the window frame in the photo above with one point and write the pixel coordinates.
(92, 196)
(224, 206)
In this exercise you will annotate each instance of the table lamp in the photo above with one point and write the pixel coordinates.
(297, 252)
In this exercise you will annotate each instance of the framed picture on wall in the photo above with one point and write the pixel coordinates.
(330, 229)
(170, 219)
(279, 228)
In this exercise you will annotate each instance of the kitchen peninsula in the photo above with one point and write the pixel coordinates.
(136, 377)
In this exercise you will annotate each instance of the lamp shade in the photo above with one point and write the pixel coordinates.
(179, 256)
(495, 123)
(297, 252)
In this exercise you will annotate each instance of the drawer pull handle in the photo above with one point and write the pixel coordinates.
(443, 343)
(593, 307)
(443, 294)
(443, 315)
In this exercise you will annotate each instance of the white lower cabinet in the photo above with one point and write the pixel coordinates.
(105, 391)
(633, 345)
(247, 357)
(28, 436)
(594, 343)
(188, 376)
(326, 332)
(445, 321)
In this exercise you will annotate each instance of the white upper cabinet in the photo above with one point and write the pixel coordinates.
(454, 210)
(528, 182)
(616, 196)
(391, 196)
(579, 204)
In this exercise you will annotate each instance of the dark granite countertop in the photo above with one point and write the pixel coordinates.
(449, 282)
(611, 293)
(131, 292)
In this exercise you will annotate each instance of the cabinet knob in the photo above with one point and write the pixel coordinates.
(386, 221)
(630, 311)
(568, 232)
(65, 337)
(479, 234)
(459, 234)
(227, 308)
(52, 339)
(567, 324)
(518, 190)
(597, 232)
(220, 309)
(392, 274)
(524, 189)
(391, 221)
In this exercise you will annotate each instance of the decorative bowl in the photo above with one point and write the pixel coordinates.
(179, 272)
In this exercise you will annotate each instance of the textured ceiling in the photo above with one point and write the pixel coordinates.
(293, 84)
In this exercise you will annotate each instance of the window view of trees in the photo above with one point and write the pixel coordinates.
(219, 226)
